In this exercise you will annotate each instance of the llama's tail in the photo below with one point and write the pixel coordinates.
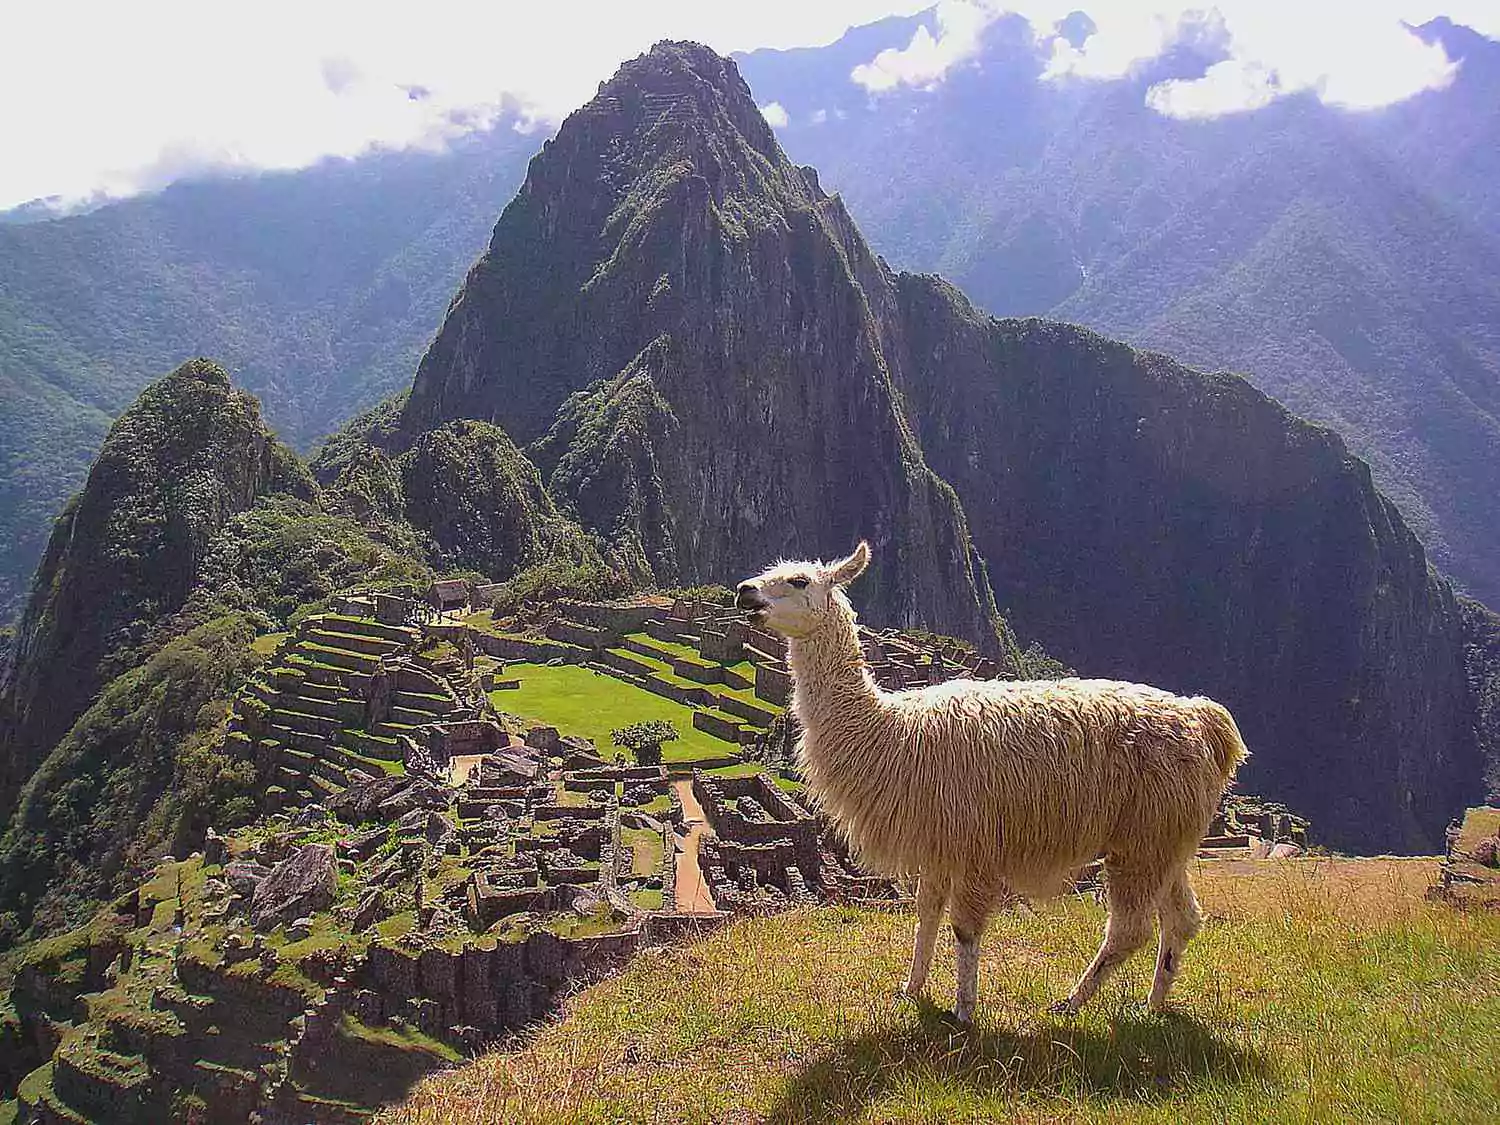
(1223, 737)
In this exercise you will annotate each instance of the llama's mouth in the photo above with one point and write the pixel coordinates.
(752, 601)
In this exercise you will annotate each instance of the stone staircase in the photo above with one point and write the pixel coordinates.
(308, 720)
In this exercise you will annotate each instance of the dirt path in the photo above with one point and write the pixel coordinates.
(461, 765)
(693, 896)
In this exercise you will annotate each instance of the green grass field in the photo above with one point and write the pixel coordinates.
(577, 700)
(1319, 990)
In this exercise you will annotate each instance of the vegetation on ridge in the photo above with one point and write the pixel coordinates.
(144, 768)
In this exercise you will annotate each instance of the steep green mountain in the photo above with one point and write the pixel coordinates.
(1347, 263)
(709, 366)
(196, 532)
(672, 314)
(462, 496)
(319, 288)
(1151, 523)
(191, 454)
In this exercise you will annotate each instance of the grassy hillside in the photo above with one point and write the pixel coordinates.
(1322, 990)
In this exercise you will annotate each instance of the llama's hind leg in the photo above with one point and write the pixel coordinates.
(932, 896)
(1180, 920)
(1132, 899)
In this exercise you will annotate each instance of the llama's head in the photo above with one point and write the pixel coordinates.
(796, 599)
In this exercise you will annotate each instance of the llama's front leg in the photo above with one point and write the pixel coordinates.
(970, 912)
(932, 896)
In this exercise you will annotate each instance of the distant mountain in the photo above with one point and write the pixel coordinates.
(1347, 263)
(318, 288)
(709, 366)
(196, 531)
(186, 458)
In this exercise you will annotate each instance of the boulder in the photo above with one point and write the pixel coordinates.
(310, 816)
(362, 800)
(368, 843)
(303, 883)
(243, 876)
(418, 793)
(1285, 850)
(372, 908)
(439, 827)
(1487, 852)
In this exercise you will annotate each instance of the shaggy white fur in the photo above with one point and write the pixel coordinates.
(989, 789)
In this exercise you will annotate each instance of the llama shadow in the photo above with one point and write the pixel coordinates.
(1141, 1058)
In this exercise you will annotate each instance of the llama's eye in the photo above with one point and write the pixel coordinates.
(799, 582)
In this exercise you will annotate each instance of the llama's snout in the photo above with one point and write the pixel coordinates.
(749, 597)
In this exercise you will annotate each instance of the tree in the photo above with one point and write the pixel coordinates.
(644, 740)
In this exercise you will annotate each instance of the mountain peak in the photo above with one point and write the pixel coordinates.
(189, 454)
(679, 68)
(684, 101)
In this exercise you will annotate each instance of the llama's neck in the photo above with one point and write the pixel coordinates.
(830, 678)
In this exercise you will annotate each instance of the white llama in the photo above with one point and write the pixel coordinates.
(990, 789)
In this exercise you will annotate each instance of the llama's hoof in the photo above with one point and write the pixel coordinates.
(1065, 1008)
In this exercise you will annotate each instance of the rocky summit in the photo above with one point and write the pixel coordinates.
(671, 317)
(710, 368)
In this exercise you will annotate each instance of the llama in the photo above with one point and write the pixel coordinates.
(987, 790)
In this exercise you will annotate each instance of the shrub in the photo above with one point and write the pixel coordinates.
(645, 740)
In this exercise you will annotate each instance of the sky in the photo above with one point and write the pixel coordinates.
(110, 99)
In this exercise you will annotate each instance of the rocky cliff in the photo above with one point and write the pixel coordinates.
(709, 367)
(191, 453)
(1150, 522)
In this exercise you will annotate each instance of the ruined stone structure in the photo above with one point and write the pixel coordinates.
(349, 693)
(768, 851)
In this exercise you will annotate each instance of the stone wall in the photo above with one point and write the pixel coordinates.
(585, 636)
(528, 649)
(495, 989)
(616, 617)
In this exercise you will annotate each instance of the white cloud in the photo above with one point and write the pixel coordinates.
(927, 58)
(1356, 55)
(112, 98)
(775, 115)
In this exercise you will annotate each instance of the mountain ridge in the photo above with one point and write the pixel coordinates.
(1073, 199)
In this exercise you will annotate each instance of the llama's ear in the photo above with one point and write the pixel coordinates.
(851, 568)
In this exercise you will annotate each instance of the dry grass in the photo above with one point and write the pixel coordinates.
(1320, 990)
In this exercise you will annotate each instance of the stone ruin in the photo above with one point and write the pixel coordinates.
(1251, 827)
(768, 852)
(1468, 875)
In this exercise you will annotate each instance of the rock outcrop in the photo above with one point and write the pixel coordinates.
(301, 884)
(695, 346)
